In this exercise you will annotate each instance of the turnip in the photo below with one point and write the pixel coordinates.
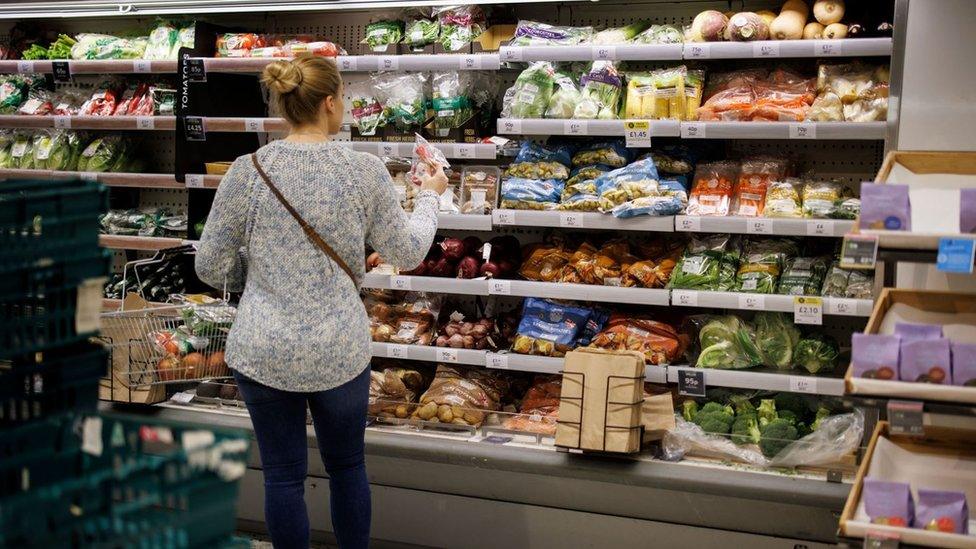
(835, 31)
(829, 12)
(709, 26)
(747, 26)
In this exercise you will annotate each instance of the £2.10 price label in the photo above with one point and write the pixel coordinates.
(807, 310)
(637, 133)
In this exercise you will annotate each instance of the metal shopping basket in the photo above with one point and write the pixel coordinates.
(151, 348)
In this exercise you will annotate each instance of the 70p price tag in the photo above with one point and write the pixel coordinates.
(637, 133)
(807, 310)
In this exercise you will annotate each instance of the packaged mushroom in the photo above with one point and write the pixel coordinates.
(479, 189)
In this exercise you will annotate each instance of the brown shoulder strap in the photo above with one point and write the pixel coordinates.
(309, 231)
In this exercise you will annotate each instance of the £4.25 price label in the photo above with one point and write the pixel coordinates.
(637, 133)
(807, 310)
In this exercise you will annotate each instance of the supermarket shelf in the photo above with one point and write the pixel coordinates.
(585, 292)
(551, 365)
(479, 151)
(904, 240)
(581, 220)
(104, 66)
(783, 130)
(119, 179)
(89, 122)
(767, 381)
(761, 225)
(144, 243)
(766, 302)
(426, 284)
(615, 128)
(352, 63)
(850, 47)
(911, 390)
(427, 353)
(464, 222)
(621, 52)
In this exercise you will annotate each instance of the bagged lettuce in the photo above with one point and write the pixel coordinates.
(22, 152)
(529, 97)
(6, 141)
(56, 150)
(403, 97)
(601, 90)
(103, 46)
(163, 42)
(565, 97)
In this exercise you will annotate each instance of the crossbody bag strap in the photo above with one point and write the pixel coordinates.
(311, 233)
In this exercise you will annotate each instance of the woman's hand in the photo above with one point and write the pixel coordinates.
(434, 179)
(373, 261)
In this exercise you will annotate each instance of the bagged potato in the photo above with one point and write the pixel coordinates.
(461, 395)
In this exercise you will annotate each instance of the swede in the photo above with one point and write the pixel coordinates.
(788, 25)
(828, 12)
(798, 6)
(835, 31)
(747, 26)
(709, 26)
(767, 16)
(813, 30)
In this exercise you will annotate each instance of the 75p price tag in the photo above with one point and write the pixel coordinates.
(807, 310)
(697, 51)
(637, 133)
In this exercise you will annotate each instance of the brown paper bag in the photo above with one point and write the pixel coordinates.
(657, 416)
(600, 403)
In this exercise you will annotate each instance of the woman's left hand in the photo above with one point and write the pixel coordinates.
(373, 261)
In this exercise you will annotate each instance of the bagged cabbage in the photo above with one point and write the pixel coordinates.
(532, 92)
(103, 154)
(532, 33)
(601, 91)
(381, 34)
(727, 343)
(776, 338)
(460, 25)
(565, 97)
(403, 99)
(162, 43)
(660, 34)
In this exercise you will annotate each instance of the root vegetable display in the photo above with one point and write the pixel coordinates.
(709, 26)
(835, 31)
(828, 12)
(747, 26)
(813, 30)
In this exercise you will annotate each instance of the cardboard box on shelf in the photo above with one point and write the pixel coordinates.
(493, 38)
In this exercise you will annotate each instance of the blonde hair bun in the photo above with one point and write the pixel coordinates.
(282, 76)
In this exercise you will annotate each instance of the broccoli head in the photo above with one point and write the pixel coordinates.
(742, 405)
(716, 407)
(822, 414)
(766, 411)
(803, 430)
(794, 403)
(788, 416)
(745, 429)
(775, 436)
(689, 409)
(717, 422)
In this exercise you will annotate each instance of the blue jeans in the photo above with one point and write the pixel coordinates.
(339, 416)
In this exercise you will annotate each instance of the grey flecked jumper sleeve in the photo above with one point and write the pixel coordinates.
(301, 325)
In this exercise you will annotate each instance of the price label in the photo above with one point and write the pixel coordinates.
(470, 62)
(182, 397)
(511, 54)
(254, 124)
(692, 130)
(637, 133)
(697, 51)
(497, 439)
(499, 361)
(464, 151)
(803, 130)
(509, 125)
(906, 418)
(499, 287)
(955, 255)
(574, 127)
(25, 67)
(572, 220)
(828, 48)
(196, 70)
(486, 251)
(820, 227)
(765, 49)
(388, 63)
(605, 53)
(386, 149)
(394, 350)
(759, 226)
(347, 63)
(689, 224)
(194, 128)
(447, 355)
(807, 310)
(842, 306)
(753, 302)
(91, 436)
(141, 65)
(61, 70)
(400, 283)
(145, 123)
(504, 217)
(62, 122)
(193, 181)
(691, 383)
(88, 176)
(684, 298)
(859, 252)
(800, 384)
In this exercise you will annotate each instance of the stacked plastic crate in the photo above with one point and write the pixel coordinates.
(69, 476)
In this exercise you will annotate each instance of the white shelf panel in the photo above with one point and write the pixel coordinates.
(147, 123)
(610, 128)
(581, 220)
(552, 365)
(583, 292)
(362, 63)
(848, 47)
(784, 130)
(763, 225)
(766, 302)
(104, 66)
(427, 353)
(444, 285)
(479, 151)
(790, 381)
(911, 390)
(464, 222)
(630, 52)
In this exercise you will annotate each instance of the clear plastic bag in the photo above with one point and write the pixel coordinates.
(601, 92)
(783, 198)
(403, 98)
(836, 437)
(532, 92)
(366, 109)
(450, 100)
(425, 156)
(688, 438)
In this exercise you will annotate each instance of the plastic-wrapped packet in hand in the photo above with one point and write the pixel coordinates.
(425, 157)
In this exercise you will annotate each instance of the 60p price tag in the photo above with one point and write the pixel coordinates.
(637, 133)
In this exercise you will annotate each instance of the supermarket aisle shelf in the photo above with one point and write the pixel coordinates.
(464, 222)
(554, 365)
(428, 353)
(767, 302)
(354, 63)
(586, 292)
(481, 151)
(582, 220)
(458, 286)
(612, 128)
(905, 240)
(112, 305)
(766, 381)
(907, 390)
(142, 243)
(98, 66)
(622, 52)
(784, 130)
(147, 123)
(119, 179)
(848, 47)
(762, 225)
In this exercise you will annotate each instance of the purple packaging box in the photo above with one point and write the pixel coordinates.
(964, 364)
(925, 361)
(875, 356)
(885, 207)
(967, 211)
(942, 511)
(888, 503)
(909, 332)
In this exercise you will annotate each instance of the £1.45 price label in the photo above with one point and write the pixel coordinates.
(637, 133)
(807, 310)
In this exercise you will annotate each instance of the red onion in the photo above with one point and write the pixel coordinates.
(506, 267)
(453, 248)
(442, 267)
(468, 267)
(471, 245)
(419, 270)
(490, 270)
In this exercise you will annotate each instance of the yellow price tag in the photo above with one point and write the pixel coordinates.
(637, 133)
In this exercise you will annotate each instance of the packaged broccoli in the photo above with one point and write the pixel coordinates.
(611, 153)
(803, 276)
(460, 25)
(601, 92)
(817, 353)
(530, 194)
(530, 95)
(450, 100)
(421, 29)
(565, 97)
(776, 338)
(536, 161)
(403, 98)
(381, 34)
(548, 328)
(762, 263)
(532, 33)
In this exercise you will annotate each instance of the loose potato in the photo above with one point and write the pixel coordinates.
(444, 413)
(457, 411)
(427, 411)
(401, 411)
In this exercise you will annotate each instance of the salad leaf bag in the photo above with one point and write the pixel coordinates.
(421, 28)
(530, 96)
(381, 34)
(451, 100)
(460, 25)
(403, 98)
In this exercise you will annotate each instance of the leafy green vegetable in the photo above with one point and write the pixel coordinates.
(660, 34)
(776, 435)
(689, 409)
(601, 91)
(794, 403)
(103, 46)
(61, 48)
(565, 97)
(745, 429)
(101, 155)
(708, 263)
(620, 35)
(450, 100)
(420, 31)
(380, 34)
(460, 25)
(715, 421)
(762, 264)
(36, 51)
(529, 96)
(803, 276)
(776, 337)
(22, 152)
(822, 414)
(403, 98)
(727, 342)
(817, 353)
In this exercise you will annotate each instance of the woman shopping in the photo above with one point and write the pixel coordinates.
(289, 227)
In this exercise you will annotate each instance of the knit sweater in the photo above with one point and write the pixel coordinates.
(301, 325)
